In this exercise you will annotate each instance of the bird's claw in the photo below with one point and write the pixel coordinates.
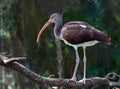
(86, 79)
(72, 80)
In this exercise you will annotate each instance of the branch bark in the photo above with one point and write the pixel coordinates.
(45, 83)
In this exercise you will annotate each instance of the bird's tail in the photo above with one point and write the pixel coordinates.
(107, 40)
(102, 37)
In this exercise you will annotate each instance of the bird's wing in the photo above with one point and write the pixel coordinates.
(77, 32)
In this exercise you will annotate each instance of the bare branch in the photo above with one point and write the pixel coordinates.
(56, 82)
(29, 74)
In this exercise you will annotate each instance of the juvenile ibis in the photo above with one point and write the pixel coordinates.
(76, 34)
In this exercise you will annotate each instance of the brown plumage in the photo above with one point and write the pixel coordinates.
(78, 32)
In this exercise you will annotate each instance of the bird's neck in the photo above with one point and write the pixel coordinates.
(57, 30)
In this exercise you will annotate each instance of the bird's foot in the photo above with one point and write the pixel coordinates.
(86, 79)
(72, 80)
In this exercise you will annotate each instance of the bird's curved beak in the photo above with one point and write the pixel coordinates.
(49, 22)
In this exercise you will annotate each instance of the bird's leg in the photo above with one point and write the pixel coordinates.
(76, 65)
(84, 60)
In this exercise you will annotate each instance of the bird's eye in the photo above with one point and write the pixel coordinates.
(51, 17)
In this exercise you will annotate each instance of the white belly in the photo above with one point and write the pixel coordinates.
(85, 44)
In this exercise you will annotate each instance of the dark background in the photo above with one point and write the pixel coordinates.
(21, 20)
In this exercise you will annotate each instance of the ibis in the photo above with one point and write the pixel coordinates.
(76, 34)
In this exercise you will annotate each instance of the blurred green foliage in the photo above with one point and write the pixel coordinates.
(30, 16)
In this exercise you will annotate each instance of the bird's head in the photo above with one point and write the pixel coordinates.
(54, 18)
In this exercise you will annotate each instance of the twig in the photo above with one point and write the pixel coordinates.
(7, 60)
(112, 75)
(18, 59)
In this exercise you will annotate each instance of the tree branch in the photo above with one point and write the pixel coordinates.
(46, 82)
